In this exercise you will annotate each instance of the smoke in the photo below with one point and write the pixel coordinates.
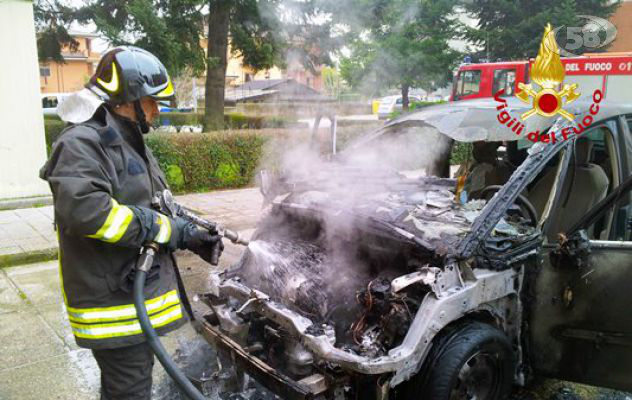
(319, 262)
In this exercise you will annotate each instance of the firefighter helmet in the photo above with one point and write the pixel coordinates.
(125, 74)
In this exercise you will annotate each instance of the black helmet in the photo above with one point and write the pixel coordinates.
(126, 74)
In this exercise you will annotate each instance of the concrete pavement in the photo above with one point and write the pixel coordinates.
(38, 356)
(27, 235)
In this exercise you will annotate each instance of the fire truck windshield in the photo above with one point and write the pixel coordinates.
(468, 83)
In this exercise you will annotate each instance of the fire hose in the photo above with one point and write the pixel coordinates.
(165, 203)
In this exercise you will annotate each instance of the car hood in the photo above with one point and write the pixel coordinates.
(474, 120)
(422, 210)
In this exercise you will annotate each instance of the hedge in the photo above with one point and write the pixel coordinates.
(196, 162)
(461, 153)
(52, 129)
(231, 120)
(415, 105)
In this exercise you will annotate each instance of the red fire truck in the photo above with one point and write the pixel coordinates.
(609, 72)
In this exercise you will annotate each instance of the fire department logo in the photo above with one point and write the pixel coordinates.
(548, 73)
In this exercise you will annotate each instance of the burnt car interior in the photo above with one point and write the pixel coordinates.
(592, 174)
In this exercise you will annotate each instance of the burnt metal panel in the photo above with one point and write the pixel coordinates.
(269, 377)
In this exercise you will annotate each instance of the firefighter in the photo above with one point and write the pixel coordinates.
(103, 178)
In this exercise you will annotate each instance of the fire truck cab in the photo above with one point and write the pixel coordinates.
(610, 72)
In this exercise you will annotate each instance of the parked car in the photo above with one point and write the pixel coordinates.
(389, 104)
(365, 281)
(50, 102)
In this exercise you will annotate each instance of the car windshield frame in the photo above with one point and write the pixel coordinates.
(539, 155)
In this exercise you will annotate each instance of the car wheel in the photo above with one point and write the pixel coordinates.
(472, 362)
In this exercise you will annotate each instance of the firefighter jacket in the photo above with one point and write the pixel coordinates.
(103, 178)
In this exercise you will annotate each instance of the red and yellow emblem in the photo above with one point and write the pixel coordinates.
(548, 72)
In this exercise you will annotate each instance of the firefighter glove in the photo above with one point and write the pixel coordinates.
(205, 244)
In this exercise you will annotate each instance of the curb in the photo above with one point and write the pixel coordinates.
(25, 202)
(11, 260)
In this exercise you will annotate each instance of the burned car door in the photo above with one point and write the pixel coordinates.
(579, 303)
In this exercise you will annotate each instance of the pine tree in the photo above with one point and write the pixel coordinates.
(512, 29)
(401, 43)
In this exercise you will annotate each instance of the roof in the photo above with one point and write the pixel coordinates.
(283, 89)
(263, 84)
(244, 95)
(83, 34)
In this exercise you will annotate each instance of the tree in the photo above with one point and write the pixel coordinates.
(251, 27)
(512, 29)
(170, 29)
(51, 21)
(401, 43)
(263, 33)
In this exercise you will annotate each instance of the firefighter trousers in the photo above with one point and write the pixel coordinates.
(125, 372)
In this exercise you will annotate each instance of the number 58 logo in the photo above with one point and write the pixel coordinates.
(596, 33)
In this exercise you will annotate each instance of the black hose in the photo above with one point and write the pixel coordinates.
(154, 342)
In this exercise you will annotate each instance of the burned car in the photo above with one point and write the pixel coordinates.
(375, 276)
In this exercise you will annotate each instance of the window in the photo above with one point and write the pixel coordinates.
(49, 102)
(620, 211)
(468, 83)
(622, 228)
(505, 79)
(592, 174)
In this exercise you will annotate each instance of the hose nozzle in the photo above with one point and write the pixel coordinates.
(236, 237)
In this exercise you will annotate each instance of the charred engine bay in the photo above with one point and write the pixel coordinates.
(331, 251)
(350, 292)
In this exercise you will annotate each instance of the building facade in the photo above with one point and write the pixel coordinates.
(78, 66)
(622, 19)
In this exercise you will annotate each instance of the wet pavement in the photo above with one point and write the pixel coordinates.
(40, 360)
(27, 235)
(24, 232)
(38, 355)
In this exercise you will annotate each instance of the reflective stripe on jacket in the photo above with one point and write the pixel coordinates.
(103, 179)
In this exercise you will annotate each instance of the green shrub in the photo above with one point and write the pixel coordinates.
(461, 153)
(241, 121)
(205, 161)
(415, 105)
(231, 120)
(52, 130)
(178, 119)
